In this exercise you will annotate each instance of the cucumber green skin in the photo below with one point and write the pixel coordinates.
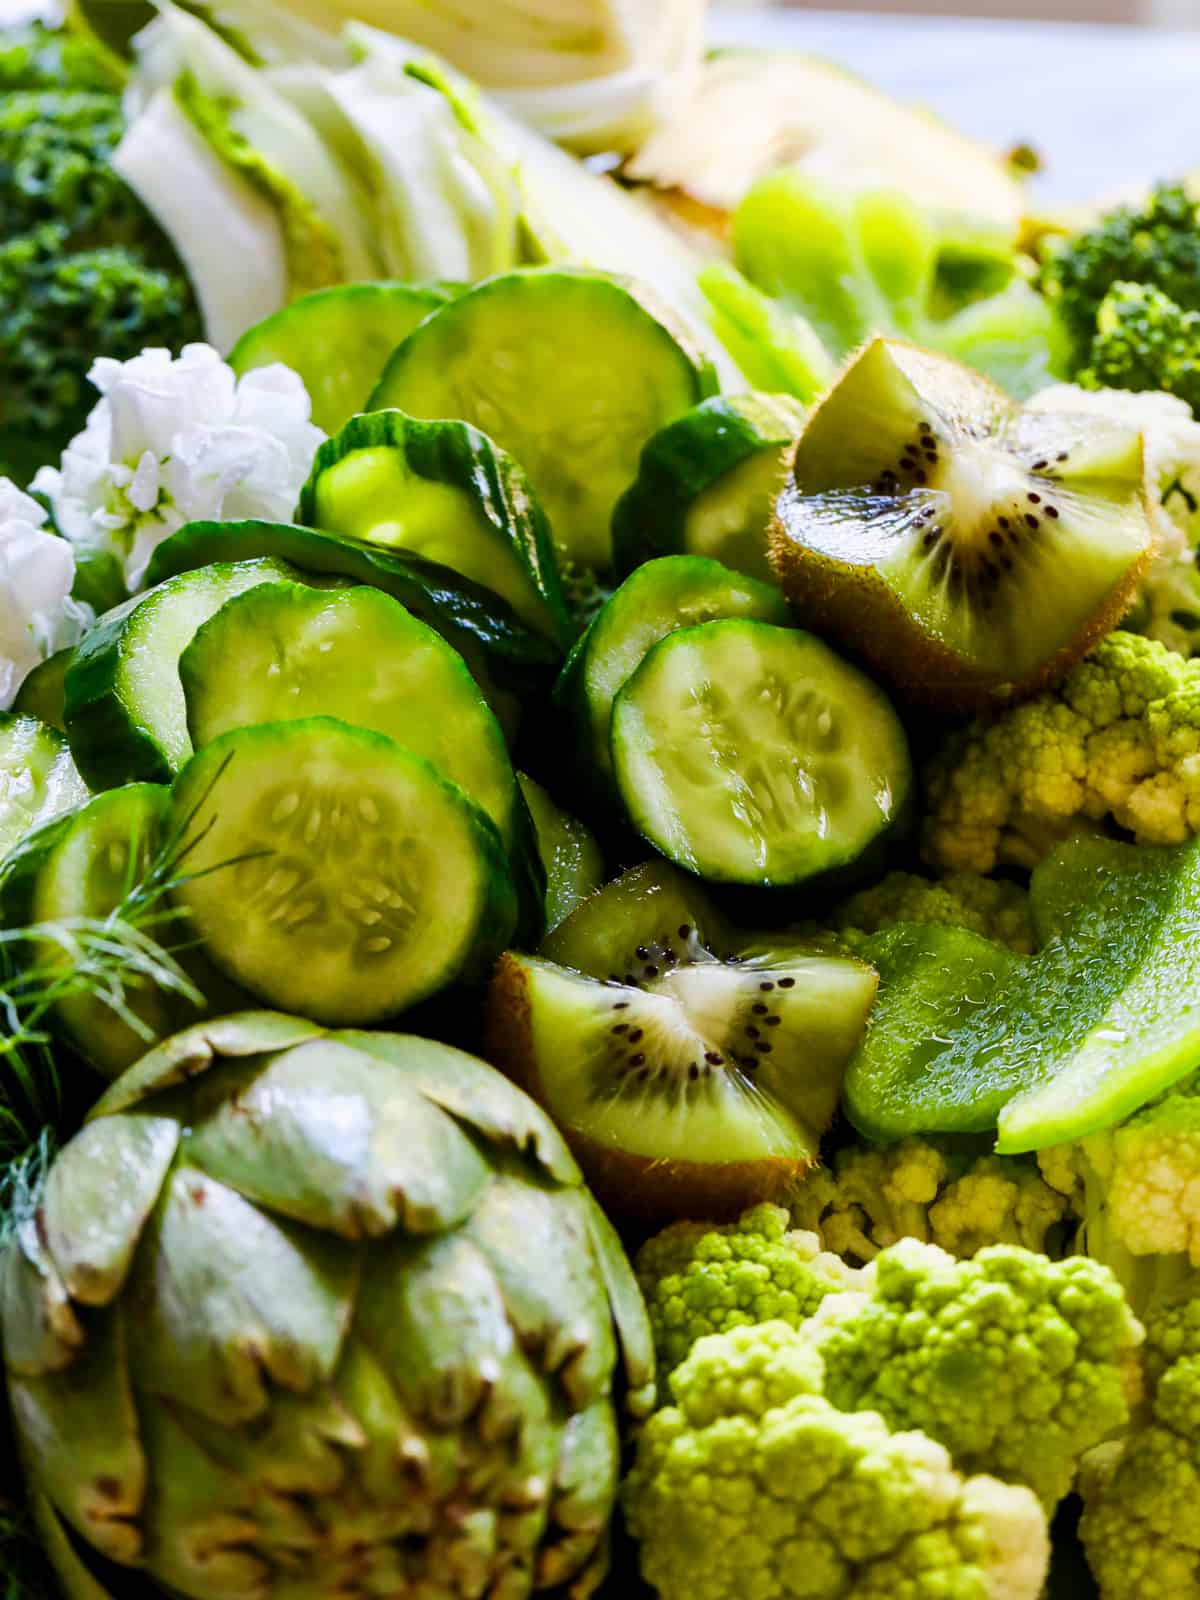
(43, 694)
(678, 592)
(570, 857)
(109, 744)
(20, 867)
(365, 321)
(459, 455)
(686, 458)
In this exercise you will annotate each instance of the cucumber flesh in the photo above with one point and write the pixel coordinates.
(754, 755)
(707, 484)
(38, 778)
(444, 492)
(282, 652)
(566, 369)
(336, 875)
(570, 856)
(43, 693)
(83, 865)
(661, 596)
(338, 340)
(125, 713)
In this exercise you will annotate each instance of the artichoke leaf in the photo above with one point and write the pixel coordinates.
(555, 1299)
(371, 1156)
(585, 1479)
(628, 1311)
(41, 1331)
(503, 1114)
(226, 1301)
(77, 1580)
(83, 1428)
(187, 1055)
(98, 1197)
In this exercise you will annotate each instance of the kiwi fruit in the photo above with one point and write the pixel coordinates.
(970, 550)
(690, 1079)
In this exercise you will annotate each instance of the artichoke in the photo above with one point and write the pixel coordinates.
(303, 1314)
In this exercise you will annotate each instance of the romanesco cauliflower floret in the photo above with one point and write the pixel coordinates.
(1140, 1527)
(751, 1484)
(1017, 1364)
(940, 1192)
(1115, 741)
(989, 907)
(699, 1278)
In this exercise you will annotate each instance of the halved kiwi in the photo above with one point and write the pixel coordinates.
(969, 549)
(690, 1080)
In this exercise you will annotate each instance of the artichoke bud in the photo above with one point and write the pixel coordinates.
(305, 1314)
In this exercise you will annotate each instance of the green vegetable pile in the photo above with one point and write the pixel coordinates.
(599, 832)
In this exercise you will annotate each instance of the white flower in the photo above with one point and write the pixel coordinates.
(175, 441)
(37, 569)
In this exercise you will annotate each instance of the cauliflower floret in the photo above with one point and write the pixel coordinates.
(752, 1484)
(1139, 1527)
(1017, 1364)
(699, 1279)
(1118, 740)
(939, 1192)
(989, 907)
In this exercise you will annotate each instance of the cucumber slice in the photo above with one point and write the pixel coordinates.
(43, 693)
(338, 340)
(565, 368)
(572, 860)
(336, 875)
(38, 778)
(84, 864)
(283, 652)
(506, 659)
(754, 755)
(707, 485)
(442, 491)
(125, 713)
(672, 592)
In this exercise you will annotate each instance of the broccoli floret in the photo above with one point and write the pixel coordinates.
(989, 907)
(37, 57)
(1139, 1527)
(84, 268)
(60, 309)
(941, 1192)
(699, 1278)
(1017, 1364)
(1156, 244)
(1144, 341)
(752, 1484)
(1117, 740)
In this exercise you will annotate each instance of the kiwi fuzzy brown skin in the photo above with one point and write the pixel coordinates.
(865, 614)
(636, 1188)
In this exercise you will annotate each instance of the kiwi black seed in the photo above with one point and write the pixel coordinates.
(969, 548)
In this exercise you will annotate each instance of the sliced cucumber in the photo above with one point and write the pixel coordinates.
(572, 860)
(38, 778)
(567, 369)
(506, 659)
(338, 340)
(336, 875)
(672, 592)
(125, 714)
(442, 491)
(43, 694)
(284, 651)
(707, 484)
(754, 755)
(85, 864)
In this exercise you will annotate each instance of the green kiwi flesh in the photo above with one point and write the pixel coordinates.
(969, 549)
(687, 1084)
